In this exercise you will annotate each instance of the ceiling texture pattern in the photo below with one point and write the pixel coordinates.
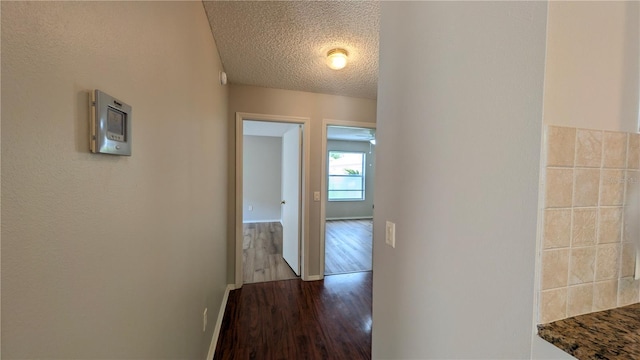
(284, 44)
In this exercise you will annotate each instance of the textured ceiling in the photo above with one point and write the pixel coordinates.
(283, 44)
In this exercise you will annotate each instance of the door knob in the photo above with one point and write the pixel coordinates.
(282, 202)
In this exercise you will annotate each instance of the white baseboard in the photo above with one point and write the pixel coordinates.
(216, 330)
(314, 278)
(351, 218)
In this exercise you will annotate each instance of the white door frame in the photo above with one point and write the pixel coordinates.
(323, 181)
(306, 140)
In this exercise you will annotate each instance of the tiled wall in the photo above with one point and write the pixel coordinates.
(587, 261)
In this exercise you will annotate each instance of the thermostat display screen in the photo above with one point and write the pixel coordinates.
(110, 125)
(115, 122)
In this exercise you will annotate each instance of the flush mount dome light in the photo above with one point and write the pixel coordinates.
(337, 58)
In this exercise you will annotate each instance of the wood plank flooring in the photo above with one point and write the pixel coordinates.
(348, 246)
(262, 253)
(294, 319)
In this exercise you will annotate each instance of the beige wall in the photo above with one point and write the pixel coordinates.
(262, 178)
(592, 65)
(105, 256)
(462, 108)
(291, 103)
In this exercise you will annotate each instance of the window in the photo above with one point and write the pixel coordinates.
(346, 176)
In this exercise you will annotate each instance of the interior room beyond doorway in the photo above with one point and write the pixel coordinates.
(271, 154)
(350, 168)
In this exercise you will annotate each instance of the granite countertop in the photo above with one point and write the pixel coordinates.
(609, 334)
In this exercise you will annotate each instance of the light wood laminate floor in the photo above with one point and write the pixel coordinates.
(262, 253)
(348, 246)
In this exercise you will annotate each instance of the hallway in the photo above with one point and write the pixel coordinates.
(293, 319)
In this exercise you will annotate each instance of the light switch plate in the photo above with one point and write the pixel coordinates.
(390, 237)
(316, 196)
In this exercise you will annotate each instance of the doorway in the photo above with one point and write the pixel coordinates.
(270, 207)
(347, 204)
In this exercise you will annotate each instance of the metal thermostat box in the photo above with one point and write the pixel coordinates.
(110, 128)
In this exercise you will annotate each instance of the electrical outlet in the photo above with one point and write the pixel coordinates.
(250, 207)
(204, 320)
(390, 234)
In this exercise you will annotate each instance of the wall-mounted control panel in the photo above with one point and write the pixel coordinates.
(110, 128)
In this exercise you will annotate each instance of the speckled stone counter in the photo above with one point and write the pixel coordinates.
(610, 334)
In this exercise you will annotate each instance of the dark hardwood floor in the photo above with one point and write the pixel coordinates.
(294, 319)
(348, 246)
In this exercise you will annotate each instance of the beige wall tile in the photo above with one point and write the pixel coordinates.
(612, 187)
(605, 295)
(588, 148)
(560, 146)
(609, 225)
(628, 259)
(553, 305)
(586, 187)
(559, 188)
(615, 150)
(633, 154)
(628, 291)
(582, 265)
(555, 268)
(579, 299)
(557, 228)
(585, 193)
(584, 227)
(630, 227)
(607, 261)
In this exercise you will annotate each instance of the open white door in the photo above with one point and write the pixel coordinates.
(291, 149)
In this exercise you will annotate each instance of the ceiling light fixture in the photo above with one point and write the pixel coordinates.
(337, 58)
